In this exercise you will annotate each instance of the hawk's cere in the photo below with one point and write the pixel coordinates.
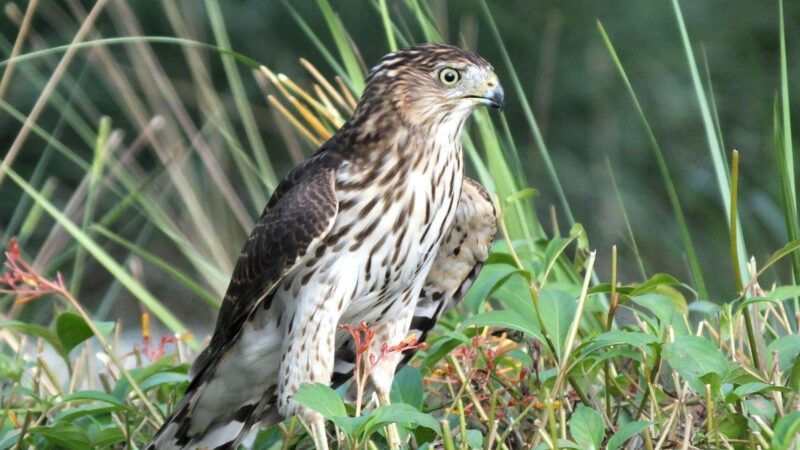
(379, 225)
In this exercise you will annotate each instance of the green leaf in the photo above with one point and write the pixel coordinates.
(38, 331)
(93, 396)
(353, 426)
(407, 387)
(491, 278)
(755, 387)
(65, 435)
(321, 399)
(617, 337)
(163, 378)
(474, 439)
(626, 432)
(777, 295)
(507, 319)
(656, 281)
(694, 357)
(786, 431)
(586, 427)
(72, 330)
(108, 437)
(558, 311)
(664, 307)
(122, 387)
(95, 410)
(793, 380)
(788, 347)
(732, 426)
(402, 414)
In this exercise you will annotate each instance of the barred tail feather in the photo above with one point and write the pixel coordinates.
(228, 394)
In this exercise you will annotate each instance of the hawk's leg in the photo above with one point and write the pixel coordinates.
(382, 373)
(308, 356)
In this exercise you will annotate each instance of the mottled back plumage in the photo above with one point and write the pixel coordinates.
(379, 225)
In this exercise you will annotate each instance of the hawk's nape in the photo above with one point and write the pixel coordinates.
(379, 226)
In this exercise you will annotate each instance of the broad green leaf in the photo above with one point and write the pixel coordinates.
(72, 330)
(507, 319)
(753, 388)
(400, 413)
(321, 399)
(786, 431)
(732, 426)
(558, 311)
(562, 443)
(474, 439)
(694, 357)
(664, 307)
(793, 380)
(656, 281)
(94, 409)
(64, 435)
(617, 337)
(779, 294)
(407, 387)
(492, 277)
(586, 427)
(788, 347)
(353, 426)
(163, 378)
(626, 432)
(122, 387)
(93, 396)
(107, 437)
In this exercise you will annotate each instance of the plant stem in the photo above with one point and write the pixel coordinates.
(748, 321)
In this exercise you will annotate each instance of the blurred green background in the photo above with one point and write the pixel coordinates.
(578, 98)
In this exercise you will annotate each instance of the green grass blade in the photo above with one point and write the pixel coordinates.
(715, 148)
(785, 109)
(429, 29)
(529, 117)
(119, 272)
(32, 219)
(626, 219)
(785, 154)
(387, 25)
(688, 245)
(169, 269)
(355, 73)
(242, 59)
(95, 178)
(239, 95)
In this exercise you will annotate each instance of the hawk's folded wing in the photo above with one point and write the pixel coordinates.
(300, 213)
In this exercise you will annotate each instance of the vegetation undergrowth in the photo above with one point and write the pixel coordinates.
(542, 353)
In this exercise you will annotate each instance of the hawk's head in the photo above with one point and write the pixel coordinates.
(432, 83)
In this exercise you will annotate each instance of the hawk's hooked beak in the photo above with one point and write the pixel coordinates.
(491, 93)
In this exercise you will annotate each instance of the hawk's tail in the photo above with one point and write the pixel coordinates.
(225, 428)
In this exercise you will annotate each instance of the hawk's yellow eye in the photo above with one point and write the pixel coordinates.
(449, 76)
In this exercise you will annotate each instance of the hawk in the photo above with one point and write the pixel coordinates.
(380, 225)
